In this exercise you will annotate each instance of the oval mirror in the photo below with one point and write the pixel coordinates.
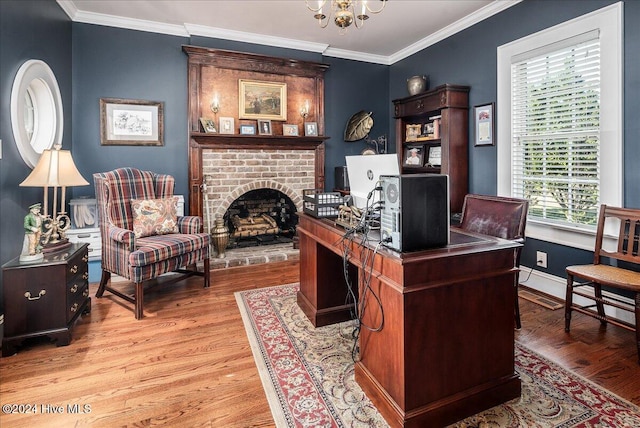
(36, 110)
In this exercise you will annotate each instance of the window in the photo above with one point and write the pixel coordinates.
(560, 135)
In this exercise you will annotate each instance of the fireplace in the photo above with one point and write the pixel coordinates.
(256, 191)
(260, 217)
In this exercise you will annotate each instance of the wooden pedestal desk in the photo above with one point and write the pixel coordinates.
(446, 347)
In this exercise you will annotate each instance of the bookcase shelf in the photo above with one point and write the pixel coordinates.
(450, 103)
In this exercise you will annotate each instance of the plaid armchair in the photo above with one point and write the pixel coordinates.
(136, 256)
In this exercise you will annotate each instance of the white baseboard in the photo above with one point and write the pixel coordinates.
(557, 287)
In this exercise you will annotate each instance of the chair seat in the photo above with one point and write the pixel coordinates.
(153, 249)
(608, 275)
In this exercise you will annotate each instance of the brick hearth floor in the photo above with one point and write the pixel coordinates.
(256, 255)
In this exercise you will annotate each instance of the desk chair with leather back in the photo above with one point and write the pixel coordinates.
(501, 217)
(599, 274)
(142, 237)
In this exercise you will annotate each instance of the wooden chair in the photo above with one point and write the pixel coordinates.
(598, 275)
(501, 217)
(142, 238)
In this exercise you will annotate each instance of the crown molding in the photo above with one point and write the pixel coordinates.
(357, 56)
(119, 22)
(462, 24)
(259, 39)
(187, 30)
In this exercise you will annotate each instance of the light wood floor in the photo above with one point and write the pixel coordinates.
(188, 362)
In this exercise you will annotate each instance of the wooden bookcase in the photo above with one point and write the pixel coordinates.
(446, 109)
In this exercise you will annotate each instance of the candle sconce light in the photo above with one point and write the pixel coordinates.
(215, 105)
(304, 110)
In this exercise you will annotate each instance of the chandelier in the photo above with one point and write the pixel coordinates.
(345, 12)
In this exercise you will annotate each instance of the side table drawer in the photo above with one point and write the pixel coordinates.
(76, 297)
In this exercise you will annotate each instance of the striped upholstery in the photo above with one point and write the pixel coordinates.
(141, 259)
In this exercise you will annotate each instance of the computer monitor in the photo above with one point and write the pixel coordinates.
(364, 173)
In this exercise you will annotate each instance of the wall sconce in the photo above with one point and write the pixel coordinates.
(215, 105)
(304, 110)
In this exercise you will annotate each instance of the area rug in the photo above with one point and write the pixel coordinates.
(308, 377)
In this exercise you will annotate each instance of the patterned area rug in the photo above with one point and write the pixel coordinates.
(308, 376)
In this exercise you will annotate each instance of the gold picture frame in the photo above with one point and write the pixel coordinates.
(131, 122)
(262, 100)
(412, 132)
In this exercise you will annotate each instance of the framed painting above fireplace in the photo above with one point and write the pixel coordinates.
(262, 100)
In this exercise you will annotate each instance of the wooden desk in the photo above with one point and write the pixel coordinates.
(446, 349)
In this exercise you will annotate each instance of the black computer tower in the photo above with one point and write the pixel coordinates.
(415, 211)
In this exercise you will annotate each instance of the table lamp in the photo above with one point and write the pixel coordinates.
(55, 168)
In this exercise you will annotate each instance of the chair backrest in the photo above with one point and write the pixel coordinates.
(115, 190)
(495, 215)
(628, 239)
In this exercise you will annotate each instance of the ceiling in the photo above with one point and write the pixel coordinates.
(401, 29)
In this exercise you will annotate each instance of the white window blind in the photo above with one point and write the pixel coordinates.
(555, 122)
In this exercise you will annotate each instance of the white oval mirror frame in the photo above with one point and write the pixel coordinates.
(35, 83)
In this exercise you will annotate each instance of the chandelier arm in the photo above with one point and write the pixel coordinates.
(326, 22)
(318, 9)
(384, 3)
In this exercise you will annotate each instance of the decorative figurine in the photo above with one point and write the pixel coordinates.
(32, 248)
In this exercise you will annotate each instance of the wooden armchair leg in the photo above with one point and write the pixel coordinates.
(568, 301)
(139, 300)
(207, 272)
(103, 283)
(597, 289)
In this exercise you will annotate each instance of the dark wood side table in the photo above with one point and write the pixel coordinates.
(45, 298)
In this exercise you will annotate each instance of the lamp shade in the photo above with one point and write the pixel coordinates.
(55, 168)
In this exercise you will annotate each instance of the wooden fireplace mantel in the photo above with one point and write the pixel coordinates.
(218, 71)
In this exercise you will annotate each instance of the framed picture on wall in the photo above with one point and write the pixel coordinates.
(262, 100)
(485, 124)
(131, 122)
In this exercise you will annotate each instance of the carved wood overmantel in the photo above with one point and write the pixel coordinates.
(214, 71)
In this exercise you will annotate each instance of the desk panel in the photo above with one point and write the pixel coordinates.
(446, 347)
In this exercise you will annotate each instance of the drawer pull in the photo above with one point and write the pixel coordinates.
(85, 275)
(85, 258)
(420, 105)
(74, 288)
(40, 294)
(74, 269)
(85, 293)
(84, 235)
(74, 307)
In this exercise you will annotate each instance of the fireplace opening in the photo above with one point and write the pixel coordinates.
(261, 217)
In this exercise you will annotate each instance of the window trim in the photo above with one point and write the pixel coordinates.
(609, 22)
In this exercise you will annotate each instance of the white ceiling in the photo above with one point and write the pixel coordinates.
(401, 29)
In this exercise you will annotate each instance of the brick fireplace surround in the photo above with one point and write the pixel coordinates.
(230, 173)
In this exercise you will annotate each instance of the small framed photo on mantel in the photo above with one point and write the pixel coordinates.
(208, 125)
(289, 130)
(227, 125)
(247, 129)
(311, 129)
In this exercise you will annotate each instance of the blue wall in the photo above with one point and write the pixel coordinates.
(28, 30)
